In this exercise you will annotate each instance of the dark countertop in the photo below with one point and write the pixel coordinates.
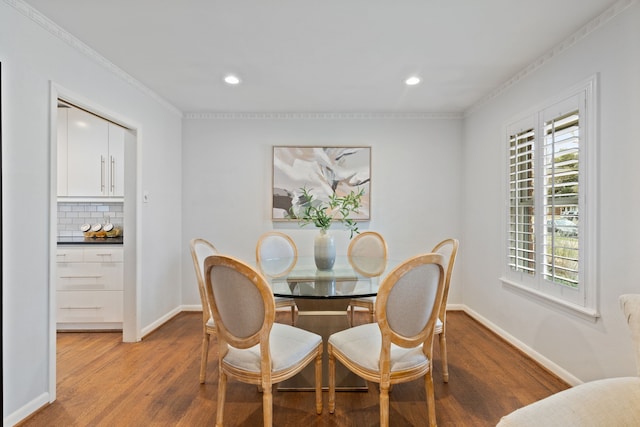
(90, 240)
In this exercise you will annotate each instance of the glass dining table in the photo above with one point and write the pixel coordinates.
(322, 298)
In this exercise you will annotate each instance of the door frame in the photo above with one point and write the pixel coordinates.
(131, 330)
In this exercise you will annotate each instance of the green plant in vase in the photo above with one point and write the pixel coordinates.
(322, 214)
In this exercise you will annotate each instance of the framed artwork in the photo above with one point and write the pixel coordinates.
(322, 171)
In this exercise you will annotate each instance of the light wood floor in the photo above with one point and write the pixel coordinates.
(105, 382)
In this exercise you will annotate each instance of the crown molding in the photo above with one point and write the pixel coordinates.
(593, 25)
(318, 116)
(75, 43)
(577, 36)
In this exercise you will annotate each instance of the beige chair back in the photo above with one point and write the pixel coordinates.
(408, 302)
(200, 250)
(449, 250)
(241, 302)
(276, 253)
(368, 244)
(367, 253)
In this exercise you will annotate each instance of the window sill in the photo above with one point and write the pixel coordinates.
(526, 291)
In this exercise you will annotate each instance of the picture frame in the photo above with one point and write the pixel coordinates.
(322, 170)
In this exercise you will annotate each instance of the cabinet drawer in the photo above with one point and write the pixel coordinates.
(69, 255)
(103, 254)
(89, 306)
(90, 276)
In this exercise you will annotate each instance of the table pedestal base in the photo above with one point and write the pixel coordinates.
(323, 317)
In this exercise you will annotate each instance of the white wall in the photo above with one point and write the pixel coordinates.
(431, 178)
(31, 59)
(227, 165)
(585, 349)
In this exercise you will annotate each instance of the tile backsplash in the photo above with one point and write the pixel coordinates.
(71, 215)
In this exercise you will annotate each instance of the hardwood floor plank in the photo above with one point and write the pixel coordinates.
(105, 382)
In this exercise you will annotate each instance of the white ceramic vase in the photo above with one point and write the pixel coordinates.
(324, 250)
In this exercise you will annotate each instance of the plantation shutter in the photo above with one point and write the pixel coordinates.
(561, 184)
(521, 244)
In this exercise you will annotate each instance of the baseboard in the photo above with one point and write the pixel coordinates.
(539, 358)
(27, 410)
(161, 321)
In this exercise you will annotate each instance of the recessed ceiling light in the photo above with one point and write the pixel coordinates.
(412, 81)
(232, 79)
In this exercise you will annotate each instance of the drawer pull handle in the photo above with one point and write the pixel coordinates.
(82, 308)
(80, 277)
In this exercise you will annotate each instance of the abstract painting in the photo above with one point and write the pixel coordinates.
(323, 171)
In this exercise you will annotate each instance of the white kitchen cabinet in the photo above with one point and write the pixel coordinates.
(94, 150)
(116, 161)
(62, 150)
(89, 287)
(87, 310)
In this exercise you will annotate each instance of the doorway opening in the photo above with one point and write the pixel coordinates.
(115, 211)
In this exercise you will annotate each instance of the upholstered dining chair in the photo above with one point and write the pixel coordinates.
(276, 255)
(448, 248)
(201, 249)
(252, 347)
(398, 348)
(365, 253)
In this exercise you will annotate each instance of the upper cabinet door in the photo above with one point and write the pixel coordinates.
(62, 151)
(116, 161)
(87, 154)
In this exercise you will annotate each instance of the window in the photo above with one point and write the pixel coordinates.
(551, 202)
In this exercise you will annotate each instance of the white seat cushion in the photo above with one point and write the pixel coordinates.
(288, 346)
(362, 345)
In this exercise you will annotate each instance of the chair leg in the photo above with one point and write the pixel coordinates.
(267, 405)
(319, 381)
(384, 405)
(372, 314)
(332, 380)
(431, 399)
(204, 357)
(443, 355)
(293, 315)
(351, 309)
(222, 389)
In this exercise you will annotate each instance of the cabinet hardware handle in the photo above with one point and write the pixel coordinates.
(82, 308)
(102, 174)
(103, 254)
(80, 277)
(112, 174)
(61, 254)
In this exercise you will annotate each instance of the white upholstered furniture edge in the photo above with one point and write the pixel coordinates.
(606, 402)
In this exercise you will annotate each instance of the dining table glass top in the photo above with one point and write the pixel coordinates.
(351, 277)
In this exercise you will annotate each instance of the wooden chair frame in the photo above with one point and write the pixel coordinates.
(384, 376)
(366, 303)
(441, 328)
(208, 327)
(280, 302)
(266, 377)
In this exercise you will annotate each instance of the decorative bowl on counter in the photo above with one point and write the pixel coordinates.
(100, 231)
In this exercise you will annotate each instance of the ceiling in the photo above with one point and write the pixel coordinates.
(322, 56)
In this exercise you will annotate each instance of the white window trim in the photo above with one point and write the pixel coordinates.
(589, 196)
